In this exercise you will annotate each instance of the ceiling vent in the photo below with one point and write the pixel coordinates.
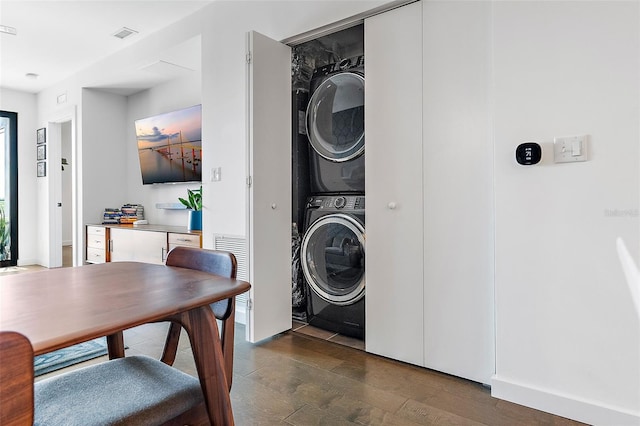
(124, 32)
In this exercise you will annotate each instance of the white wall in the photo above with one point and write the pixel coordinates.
(223, 26)
(224, 92)
(25, 105)
(176, 94)
(567, 338)
(104, 153)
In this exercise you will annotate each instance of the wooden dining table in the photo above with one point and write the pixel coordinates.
(56, 308)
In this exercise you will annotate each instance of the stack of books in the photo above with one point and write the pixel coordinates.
(131, 213)
(111, 216)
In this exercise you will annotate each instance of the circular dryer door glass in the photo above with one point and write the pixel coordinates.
(335, 117)
(333, 259)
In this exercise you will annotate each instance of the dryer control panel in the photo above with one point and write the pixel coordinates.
(345, 64)
(336, 202)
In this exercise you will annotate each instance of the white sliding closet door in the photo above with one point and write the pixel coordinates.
(394, 228)
(458, 187)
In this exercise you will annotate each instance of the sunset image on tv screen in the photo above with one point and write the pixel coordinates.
(170, 146)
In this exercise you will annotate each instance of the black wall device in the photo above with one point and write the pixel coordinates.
(528, 153)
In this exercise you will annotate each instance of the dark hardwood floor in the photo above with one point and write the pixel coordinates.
(297, 378)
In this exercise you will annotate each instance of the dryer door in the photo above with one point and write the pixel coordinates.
(335, 117)
(333, 258)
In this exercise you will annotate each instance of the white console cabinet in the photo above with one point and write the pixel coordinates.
(97, 244)
(146, 243)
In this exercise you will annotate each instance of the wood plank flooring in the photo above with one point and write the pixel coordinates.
(298, 379)
(295, 379)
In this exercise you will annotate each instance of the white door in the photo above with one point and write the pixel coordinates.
(393, 222)
(458, 188)
(269, 187)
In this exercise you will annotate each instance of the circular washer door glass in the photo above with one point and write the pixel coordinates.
(335, 117)
(333, 259)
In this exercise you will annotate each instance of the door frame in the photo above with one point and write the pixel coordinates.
(13, 182)
(54, 232)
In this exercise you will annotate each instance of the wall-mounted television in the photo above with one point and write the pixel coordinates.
(170, 146)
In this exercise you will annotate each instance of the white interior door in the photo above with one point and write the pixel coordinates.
(393, 132)
(458, 188)
(269, 188)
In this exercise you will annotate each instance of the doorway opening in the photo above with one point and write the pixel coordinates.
(65, 247)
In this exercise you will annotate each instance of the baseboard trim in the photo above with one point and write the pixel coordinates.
(591, 412)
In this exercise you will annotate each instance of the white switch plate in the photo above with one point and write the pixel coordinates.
(570, 149)
(216, 174)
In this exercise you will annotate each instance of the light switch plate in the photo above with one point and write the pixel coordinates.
(216, 174)
(570, 149)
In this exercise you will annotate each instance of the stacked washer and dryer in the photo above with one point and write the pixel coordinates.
(332, 252)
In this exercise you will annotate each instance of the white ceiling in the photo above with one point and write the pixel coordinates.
(55, 39)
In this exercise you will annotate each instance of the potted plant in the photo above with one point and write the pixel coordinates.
(194, 204)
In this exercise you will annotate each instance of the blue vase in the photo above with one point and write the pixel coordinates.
(195, 220)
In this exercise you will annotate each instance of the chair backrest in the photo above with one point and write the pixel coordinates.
(215, 262)
(16, 379)
(218, 263)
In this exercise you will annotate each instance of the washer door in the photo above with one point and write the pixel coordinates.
(333, 258)
(335, 117)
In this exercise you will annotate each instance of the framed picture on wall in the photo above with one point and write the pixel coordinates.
(41, 135)
(42, 152)
(42, 169)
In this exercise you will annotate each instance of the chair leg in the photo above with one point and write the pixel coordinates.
(228, 333)
(171, 344)
(227, 340)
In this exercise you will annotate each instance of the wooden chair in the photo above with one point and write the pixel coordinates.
(132, 390)
(16, 379)
(215, 262)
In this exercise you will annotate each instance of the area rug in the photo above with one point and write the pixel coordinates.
(11, 269)
(65, 357)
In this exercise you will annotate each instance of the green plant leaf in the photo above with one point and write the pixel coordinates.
(185, 202)
(194, 201)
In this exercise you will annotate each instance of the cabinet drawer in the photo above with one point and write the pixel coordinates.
(96, 241)
(95, 255)
(96, 230)
(183, 240)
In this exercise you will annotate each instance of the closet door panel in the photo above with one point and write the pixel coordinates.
(458, 200)
(269, 191)
(393, 155)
